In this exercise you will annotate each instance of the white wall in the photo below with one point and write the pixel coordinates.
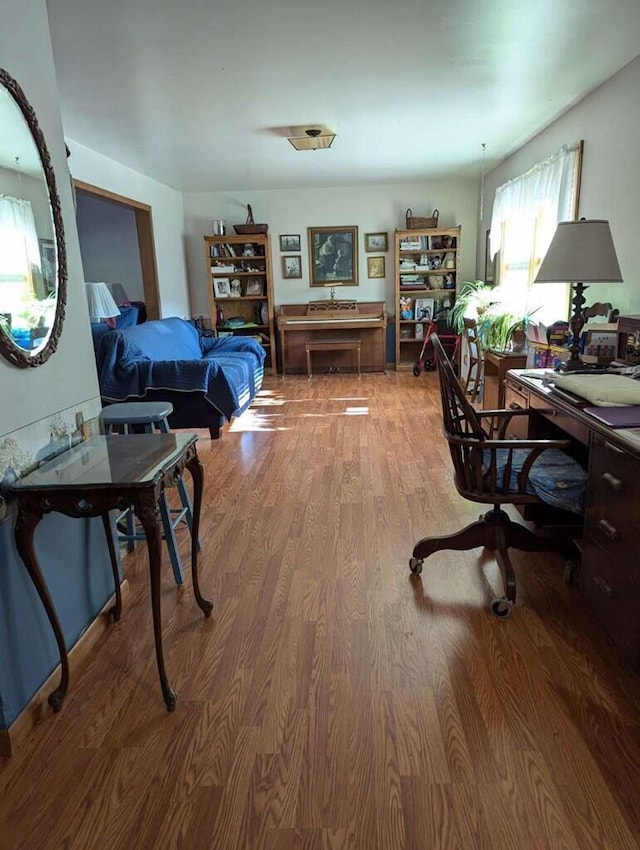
(609, 122)
(371, 208)
(167, 215)
(65, 380)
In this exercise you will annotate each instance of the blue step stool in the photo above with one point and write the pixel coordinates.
(136, 416)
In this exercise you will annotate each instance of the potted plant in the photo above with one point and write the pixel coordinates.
(499, 327)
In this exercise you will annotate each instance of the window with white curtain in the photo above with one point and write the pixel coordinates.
(526, 212)
(19, 252)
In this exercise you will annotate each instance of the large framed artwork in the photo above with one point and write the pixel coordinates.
(333, 255)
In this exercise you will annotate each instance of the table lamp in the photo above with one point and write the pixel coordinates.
(101, 303)
(580, 252)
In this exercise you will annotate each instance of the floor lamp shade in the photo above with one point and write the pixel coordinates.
(100, 301)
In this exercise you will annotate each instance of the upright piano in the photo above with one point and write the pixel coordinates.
(332, 319)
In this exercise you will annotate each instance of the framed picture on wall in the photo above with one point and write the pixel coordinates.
(375, 242)
(291, 266)
(290, 242)
(333, 255)
(375, 266)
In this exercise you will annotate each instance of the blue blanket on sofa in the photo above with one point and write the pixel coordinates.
(169, 354)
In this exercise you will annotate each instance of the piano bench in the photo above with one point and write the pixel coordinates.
(331, 345)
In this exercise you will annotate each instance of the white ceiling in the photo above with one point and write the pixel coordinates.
(198, 94)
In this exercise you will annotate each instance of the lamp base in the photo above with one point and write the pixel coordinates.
(576, 324)
(574, 365)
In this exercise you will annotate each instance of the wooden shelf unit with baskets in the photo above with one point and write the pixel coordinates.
(426, 266)
(240, 285)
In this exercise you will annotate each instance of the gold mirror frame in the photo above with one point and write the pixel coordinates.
(12, 352)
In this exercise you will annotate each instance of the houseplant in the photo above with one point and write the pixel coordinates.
(500, 327)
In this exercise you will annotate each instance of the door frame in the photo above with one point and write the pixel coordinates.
(146, 244)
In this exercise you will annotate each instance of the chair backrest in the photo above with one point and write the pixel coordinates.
(459, 417)
(473, 340)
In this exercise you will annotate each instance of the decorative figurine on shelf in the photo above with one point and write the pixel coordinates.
(248, 251)
(219, 315)
(406, 307)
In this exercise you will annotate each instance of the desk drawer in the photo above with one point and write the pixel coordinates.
(613, 596)
(613, 517)
(564, 421)
(518, 427)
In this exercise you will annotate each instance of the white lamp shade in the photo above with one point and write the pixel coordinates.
(100, 300)
(580, 251)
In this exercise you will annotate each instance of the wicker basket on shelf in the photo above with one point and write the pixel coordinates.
(416, 223)
(250, 227)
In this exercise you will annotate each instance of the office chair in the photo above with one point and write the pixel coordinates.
(493, 470)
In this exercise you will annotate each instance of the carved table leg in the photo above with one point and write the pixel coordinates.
(195, 468)
(26, 523)
(117, 607)
(148, 512)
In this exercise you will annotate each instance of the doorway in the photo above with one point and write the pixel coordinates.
(142, 235)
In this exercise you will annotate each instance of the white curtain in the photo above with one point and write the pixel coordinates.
(18, 237)
(525, 215)
(549, 185)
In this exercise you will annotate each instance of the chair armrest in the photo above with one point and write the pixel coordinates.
(503, 418)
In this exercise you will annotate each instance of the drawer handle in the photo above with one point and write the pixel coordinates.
(608, 530)
(604, 588)
(612, 481)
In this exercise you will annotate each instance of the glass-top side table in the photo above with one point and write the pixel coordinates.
(99, 475)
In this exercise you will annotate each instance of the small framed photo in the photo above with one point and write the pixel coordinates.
(235, 288)
(291, 266)
(254, 286)
(419, 331)
(290, 242)
(375, 266)
(221, 287)
(375, 242)
(424, 309)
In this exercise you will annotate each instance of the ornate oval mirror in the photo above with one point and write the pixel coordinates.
(33, 263)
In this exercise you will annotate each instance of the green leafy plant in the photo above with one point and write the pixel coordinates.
(497, 324)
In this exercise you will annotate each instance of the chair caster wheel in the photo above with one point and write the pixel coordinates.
(416, 371)
(502, 608)
(415, 565)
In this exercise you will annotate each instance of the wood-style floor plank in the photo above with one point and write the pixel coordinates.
(333, 701)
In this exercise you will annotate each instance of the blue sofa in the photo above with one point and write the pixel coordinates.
(208, 380)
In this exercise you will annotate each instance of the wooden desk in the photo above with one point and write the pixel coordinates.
(89, 480)
(496, 366)
(297, 326)
(610, 576)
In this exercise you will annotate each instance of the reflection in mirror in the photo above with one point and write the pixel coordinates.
(32, 253)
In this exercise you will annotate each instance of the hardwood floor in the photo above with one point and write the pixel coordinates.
(332, 700)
